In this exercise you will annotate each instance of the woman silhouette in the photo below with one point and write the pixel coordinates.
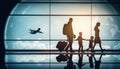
(97, 37)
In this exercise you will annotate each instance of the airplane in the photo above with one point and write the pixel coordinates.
(35, 31)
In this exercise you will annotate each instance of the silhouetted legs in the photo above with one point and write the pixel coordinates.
(70, 40)
(80, 64)
(98, 62)
(94, 46)
(91, 60)
(80, 48)
(90, 48)
(99, 45)
(80, 61)
(70, 64)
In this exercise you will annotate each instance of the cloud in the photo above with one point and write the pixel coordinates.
(117, 47)
(30, 45)
(31, 58)
(26, 10)
(114, 29)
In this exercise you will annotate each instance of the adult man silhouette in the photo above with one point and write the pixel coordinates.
(70, 35)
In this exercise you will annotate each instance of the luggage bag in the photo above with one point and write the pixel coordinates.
(62, 45)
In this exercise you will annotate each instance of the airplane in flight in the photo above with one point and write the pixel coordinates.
(35, 31)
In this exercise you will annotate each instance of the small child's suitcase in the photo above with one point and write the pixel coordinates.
(62, 45)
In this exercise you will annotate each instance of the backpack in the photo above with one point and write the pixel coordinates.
(65, 29)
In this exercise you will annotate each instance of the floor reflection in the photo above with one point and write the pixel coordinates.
(80, 64)
(67, 61)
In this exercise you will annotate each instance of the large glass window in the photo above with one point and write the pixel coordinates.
(38, 51)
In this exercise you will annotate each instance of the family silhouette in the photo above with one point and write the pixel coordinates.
(65, 45)
(68, 31)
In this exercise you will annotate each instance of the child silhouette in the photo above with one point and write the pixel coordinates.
(91, 41)
(80, 42)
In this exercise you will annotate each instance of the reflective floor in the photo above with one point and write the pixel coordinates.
(108, 59)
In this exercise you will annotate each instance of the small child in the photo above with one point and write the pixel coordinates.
(91, 42)
(80, 42)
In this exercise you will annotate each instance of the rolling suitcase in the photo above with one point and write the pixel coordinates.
(62, 45)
